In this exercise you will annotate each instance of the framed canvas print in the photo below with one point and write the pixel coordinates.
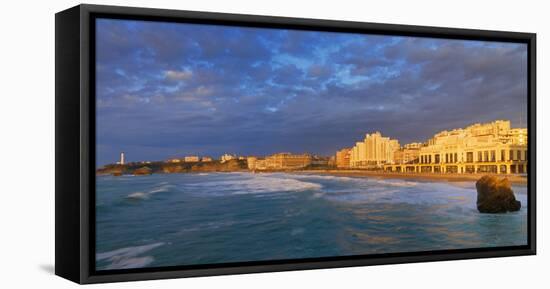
(193, 144)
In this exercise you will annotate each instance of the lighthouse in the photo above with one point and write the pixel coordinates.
(121, 158)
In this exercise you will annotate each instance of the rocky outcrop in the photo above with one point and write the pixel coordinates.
(495, 195)
(171, 169)
(139, 168)
(113, 170)
(228, 166)
(143, 171)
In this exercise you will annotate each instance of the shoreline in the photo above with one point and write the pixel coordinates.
(514, 179)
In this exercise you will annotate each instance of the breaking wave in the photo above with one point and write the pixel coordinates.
(270, 185)
(407, 193)
(397, 183)
(164, 187)
(254, 184)
(128, 257)
(363, 180)
(326, 177)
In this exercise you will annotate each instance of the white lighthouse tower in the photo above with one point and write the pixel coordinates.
(121, 162)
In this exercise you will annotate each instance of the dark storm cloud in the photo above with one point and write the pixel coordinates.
(173, 89)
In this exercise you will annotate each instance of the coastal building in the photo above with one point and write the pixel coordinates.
(191, 159)
(479, 148)
(227, 157)
(408, 154)
(288, 161)
(251, 162)
(260, 164)
(361, 159)
(206, 159)
(332, 161)
(281, 161)
(175, 160)
(320, 161)
(374, 151)
(343, 158)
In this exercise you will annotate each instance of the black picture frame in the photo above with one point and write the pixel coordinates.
(75, 142)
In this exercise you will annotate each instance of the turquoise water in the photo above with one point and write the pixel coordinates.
(188, 219)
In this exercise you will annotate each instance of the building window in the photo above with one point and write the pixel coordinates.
(479, 156)
(456, 158)
(493, 156)
(485, 156)
(446, 158)
(470, 157)
(511, 155)
(526, 157)
(502, 155)
(430, 159)
(503, 169)
(519, 155)
(437, 158)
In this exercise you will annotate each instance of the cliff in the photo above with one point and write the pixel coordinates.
(169, 168)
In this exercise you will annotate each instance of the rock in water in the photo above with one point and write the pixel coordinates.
(495, 195)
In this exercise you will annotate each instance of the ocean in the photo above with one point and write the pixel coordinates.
(206, 218)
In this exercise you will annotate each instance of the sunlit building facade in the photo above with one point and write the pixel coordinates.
(280, 161)
(288, 161)
(191, 159)
(227, 157)
(374, 151)
(408, 154)
(480, 148)
(343, 158)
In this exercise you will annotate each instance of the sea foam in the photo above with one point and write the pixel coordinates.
(270, 185)
(128, 257)
(163, 187)
(253, 184)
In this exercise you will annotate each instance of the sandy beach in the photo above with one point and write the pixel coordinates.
(515, 179)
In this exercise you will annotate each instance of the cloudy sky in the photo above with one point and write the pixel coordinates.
(168, 89)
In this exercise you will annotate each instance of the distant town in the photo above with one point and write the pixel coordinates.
(493, 148)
